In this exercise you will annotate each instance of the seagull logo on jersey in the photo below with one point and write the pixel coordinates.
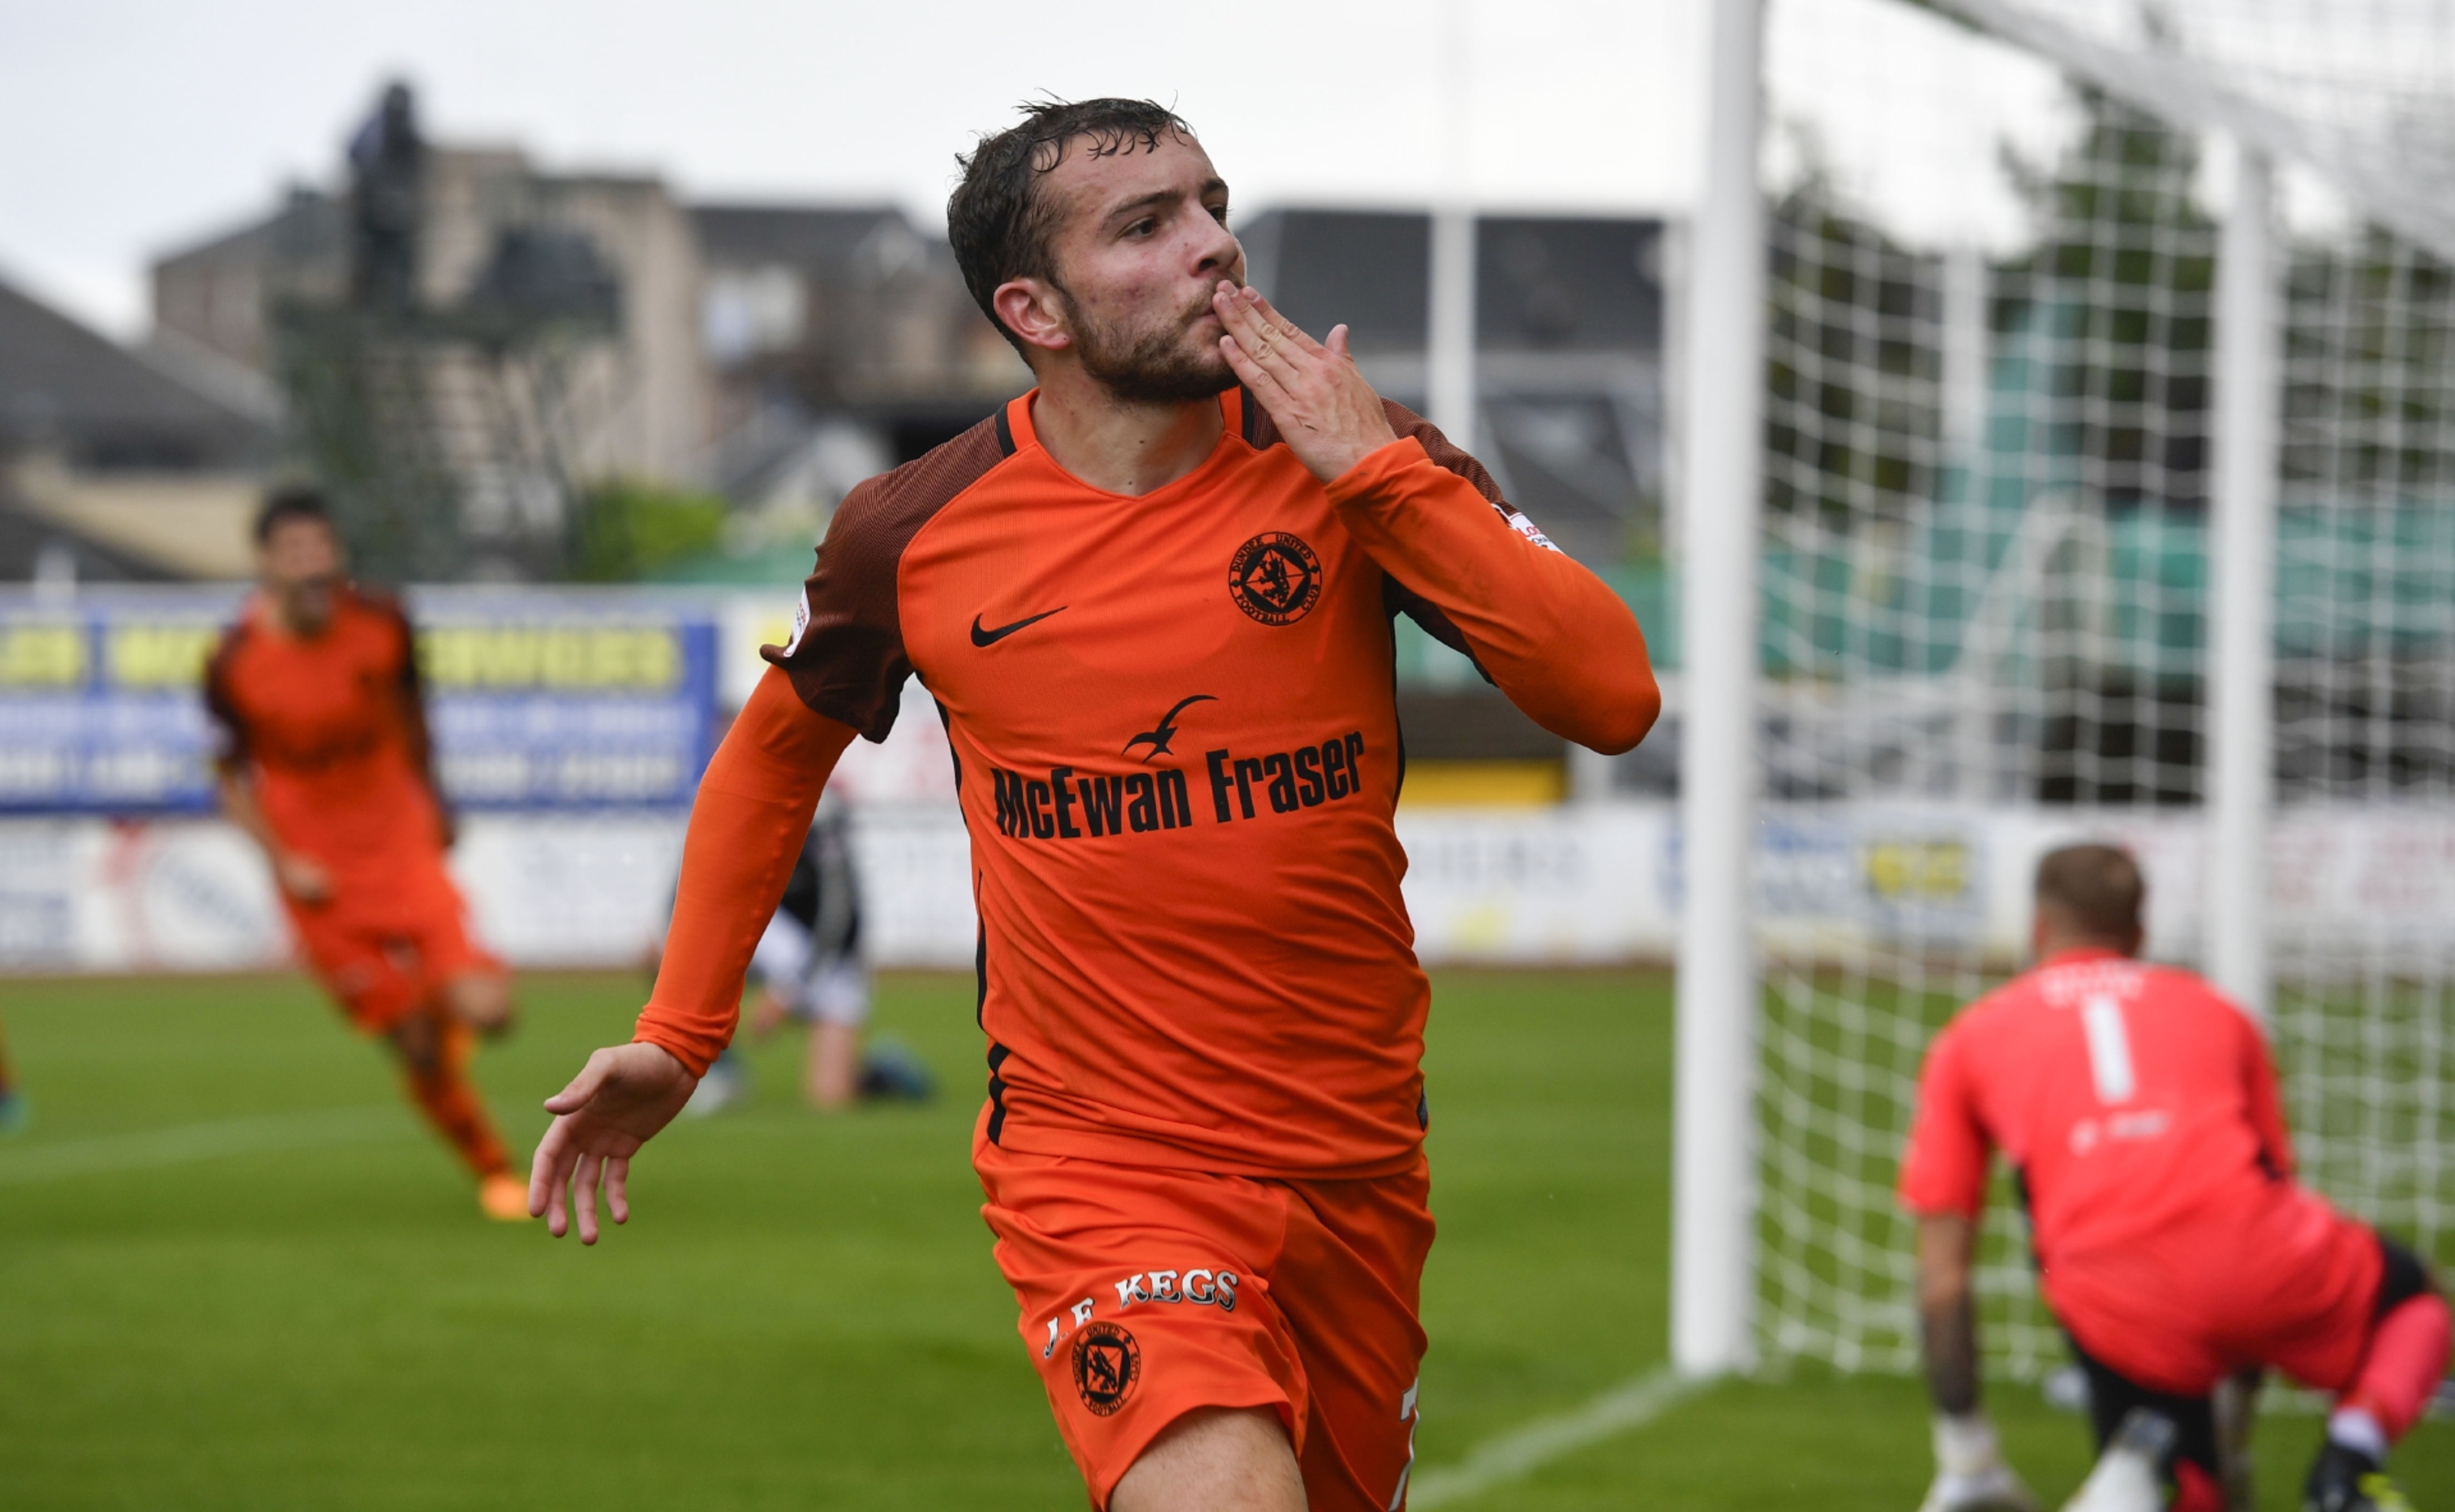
(1107, 1365)
(1158, 739)
(1275, 578)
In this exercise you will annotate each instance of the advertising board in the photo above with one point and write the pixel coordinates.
(539, 699)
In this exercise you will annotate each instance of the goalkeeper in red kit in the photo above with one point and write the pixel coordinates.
(1152, 602)
(2138, 1111)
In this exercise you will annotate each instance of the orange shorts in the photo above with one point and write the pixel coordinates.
(2291, 1284)
(383, 952)
(1147, 1294)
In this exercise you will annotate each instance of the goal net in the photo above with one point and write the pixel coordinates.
(1990, 456)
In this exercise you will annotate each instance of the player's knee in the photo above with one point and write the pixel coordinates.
(1215, 1457)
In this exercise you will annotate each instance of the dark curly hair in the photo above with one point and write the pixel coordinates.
(997, 223)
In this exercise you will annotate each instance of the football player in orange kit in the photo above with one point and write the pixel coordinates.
(1152, 599)
(2139, 1109)
(324, 762)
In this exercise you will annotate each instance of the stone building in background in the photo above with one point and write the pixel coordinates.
(840, 342)
(1570, 324)
(468, 344)
(113, 466)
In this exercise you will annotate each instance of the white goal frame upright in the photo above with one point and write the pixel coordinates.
(1713, 1258)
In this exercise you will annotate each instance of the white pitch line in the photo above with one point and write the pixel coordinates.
(1521, 1451)
(104, 1153)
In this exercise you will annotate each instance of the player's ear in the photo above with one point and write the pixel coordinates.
(1035, 311)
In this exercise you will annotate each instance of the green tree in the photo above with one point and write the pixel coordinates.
(624, 529)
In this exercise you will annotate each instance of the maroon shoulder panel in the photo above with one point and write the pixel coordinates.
(846, 656)
(1447, 452)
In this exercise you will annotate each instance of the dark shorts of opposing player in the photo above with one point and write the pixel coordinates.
(1149, 1294)
(385, 953)
(2321, 1346)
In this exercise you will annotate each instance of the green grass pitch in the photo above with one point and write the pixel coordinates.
(213, 1296)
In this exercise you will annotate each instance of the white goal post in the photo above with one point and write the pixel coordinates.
(1713, 1127)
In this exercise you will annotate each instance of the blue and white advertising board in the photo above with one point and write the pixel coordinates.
(577, 703)
(538, 699)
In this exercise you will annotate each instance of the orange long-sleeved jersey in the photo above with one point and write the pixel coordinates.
(330, 728)
(1178, 754)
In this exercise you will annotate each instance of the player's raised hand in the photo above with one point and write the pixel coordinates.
(1329, 415)
(621, 1098)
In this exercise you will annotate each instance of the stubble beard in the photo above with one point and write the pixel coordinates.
(1154, 365)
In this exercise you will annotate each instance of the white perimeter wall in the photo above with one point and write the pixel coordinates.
(1580, 884)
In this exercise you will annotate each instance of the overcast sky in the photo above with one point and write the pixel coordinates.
(132, 126)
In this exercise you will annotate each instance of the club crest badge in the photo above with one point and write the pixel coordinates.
(1107, 1362)
(1275, 578)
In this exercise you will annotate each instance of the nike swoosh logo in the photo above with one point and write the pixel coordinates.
(990, 637)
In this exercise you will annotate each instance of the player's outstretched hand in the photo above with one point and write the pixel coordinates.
(624, 1095)
(1329, 415)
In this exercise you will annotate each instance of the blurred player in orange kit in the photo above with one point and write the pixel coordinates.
(1152, 599)
(324, 761)
(2138, 1110)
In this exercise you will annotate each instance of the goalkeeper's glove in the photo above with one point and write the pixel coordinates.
(1971, 1473)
